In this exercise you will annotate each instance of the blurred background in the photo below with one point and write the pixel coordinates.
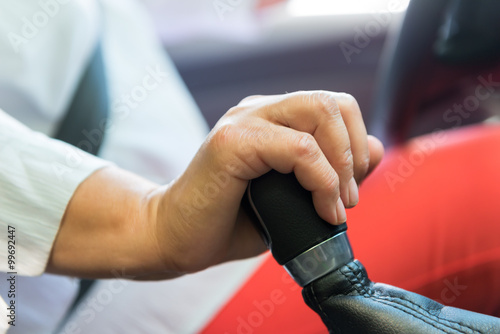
(407, 74)
(226, 50)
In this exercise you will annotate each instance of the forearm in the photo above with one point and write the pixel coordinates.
(108, 226)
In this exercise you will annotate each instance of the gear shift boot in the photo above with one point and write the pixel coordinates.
(348, 302)
(319, 257)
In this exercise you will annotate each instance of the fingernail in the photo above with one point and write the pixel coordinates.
(341, 215)
(353, 193)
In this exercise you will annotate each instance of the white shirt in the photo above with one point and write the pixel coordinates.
(155, 131)
(38, 177)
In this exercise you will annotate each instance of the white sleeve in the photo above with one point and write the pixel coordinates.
(38, 177)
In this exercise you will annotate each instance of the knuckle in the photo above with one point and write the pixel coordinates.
(306, 145)
(325, 103)
(222, 136)
(250, 97)
(349, 98)
(234, 110)
(351, 103)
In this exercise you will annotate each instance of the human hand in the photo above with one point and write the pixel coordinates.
(119, 221)
(320, 136)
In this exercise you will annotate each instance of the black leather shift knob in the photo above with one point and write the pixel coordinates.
(319, 258)
(306, 245)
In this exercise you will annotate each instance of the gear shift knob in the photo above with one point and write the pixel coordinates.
(306, 245)
(319, 257)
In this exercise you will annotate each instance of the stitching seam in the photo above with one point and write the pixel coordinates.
(362, 290)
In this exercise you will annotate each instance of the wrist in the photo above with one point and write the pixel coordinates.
(163, 219)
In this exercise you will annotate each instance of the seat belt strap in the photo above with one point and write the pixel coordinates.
(85, 121)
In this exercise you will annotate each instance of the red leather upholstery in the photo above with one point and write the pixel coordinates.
(428, 221)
